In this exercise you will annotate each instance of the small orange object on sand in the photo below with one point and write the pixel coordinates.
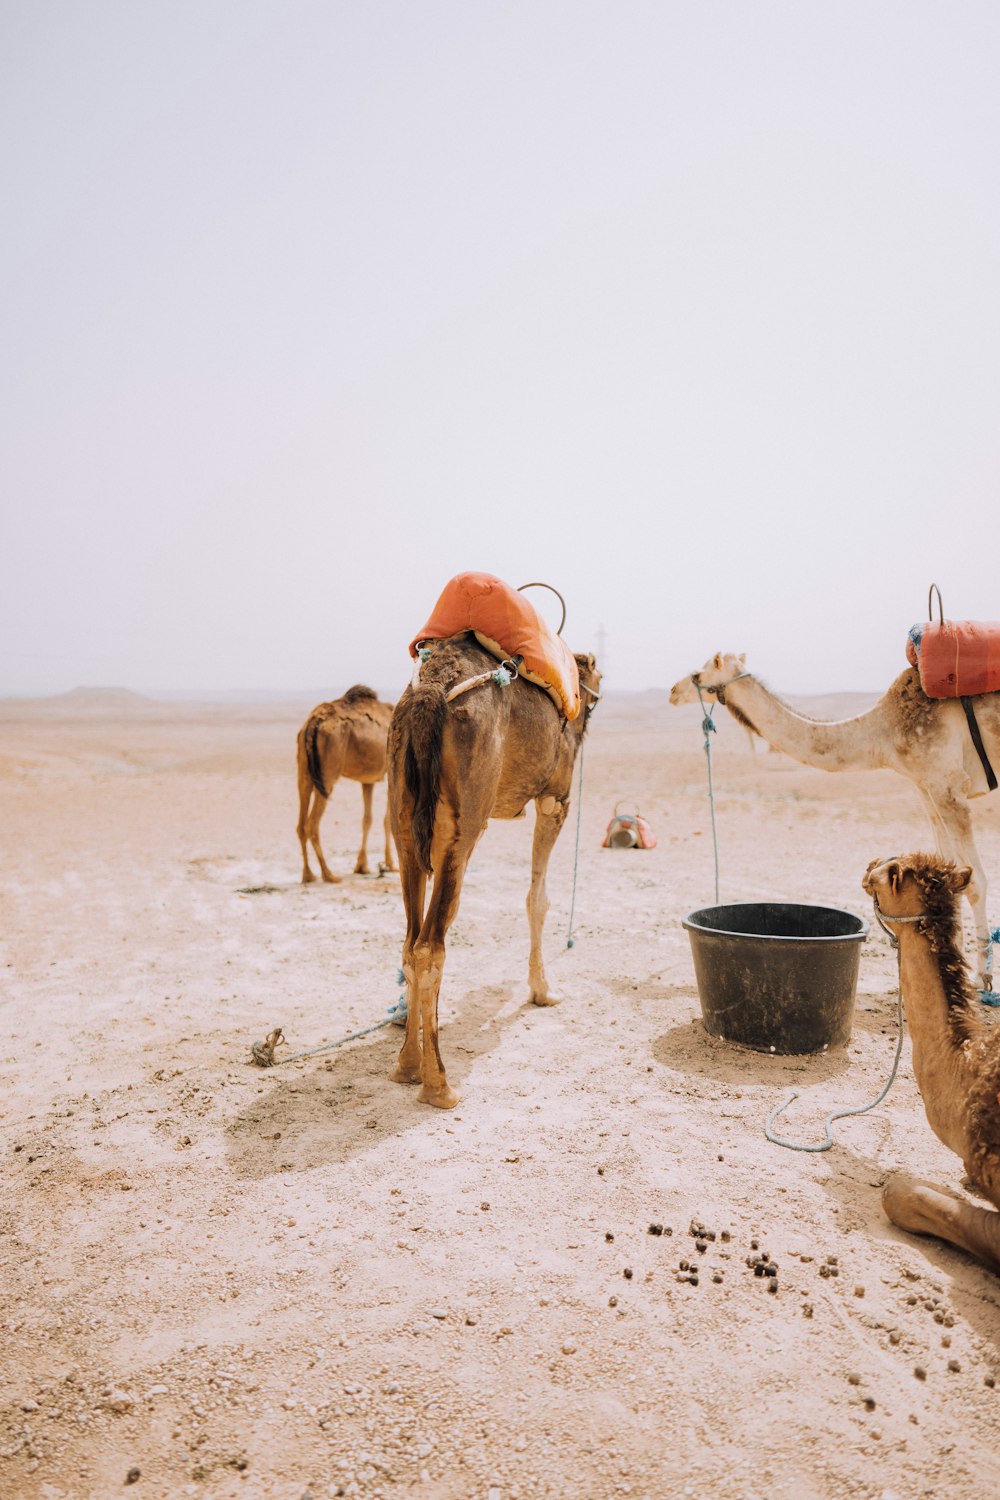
(506, 624)
(956, 658)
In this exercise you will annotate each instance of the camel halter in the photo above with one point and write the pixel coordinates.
(882, 918)
(718, 688)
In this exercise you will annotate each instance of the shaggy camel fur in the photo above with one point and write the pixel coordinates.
(452, 767)
(344, 738)
(925, 739)
(956, 1059)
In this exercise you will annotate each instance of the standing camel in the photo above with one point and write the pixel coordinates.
(344, 738)
(453, 765)
(925, 739)
(956, 1059)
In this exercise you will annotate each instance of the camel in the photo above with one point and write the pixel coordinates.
(925, 739)
(453, 765)
(956, 1059)
(346, 737)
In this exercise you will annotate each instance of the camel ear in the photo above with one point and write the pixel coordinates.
(958, 879)
(717, 661)
(742, 659)
(894, 875)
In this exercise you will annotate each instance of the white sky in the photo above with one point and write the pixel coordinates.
(692, 309)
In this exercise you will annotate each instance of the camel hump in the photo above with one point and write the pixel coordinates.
(359, 694)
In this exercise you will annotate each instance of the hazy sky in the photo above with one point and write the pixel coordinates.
(692, 309)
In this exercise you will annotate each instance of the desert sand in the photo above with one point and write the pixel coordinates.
(219, 1280)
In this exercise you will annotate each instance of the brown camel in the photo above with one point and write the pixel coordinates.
(344, 738)
(453, 765)
(956, 1059)
(925, 739)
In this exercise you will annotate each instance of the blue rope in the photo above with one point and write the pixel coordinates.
(502, 677)
(394, 1010)
(709, 728)
(838, 1114)
(990, 997)
(576, 852)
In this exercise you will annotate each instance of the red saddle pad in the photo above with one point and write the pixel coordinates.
(506, 623)
(956, 658)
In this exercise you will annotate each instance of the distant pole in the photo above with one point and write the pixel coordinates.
(602, 649)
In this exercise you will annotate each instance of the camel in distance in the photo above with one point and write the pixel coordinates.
(927, 740)
(346, 737)
(956, 1057)
(464, 748)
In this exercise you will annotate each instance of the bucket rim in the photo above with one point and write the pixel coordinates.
(691, 924)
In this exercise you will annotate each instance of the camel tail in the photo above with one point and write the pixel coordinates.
(422, 765)
(312, 754)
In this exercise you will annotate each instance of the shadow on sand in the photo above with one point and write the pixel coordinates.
(689, 1048)
(344, 1101)
(972, 1291)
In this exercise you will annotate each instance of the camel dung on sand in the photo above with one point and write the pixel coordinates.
(453, 765)
(927, 740)
(956, 1058)
(346, 737)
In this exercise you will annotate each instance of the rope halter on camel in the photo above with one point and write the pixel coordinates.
(882, 918)
(503, 676)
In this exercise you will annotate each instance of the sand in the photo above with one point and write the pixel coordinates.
(224, 1281)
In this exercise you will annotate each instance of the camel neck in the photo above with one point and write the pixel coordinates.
(830, 745)
(940, 1063)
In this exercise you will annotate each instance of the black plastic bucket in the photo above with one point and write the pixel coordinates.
(777, 977)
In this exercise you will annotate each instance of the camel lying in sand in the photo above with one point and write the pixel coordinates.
(925, 739)
(346, 737)
(452, 767)
(956, 1059)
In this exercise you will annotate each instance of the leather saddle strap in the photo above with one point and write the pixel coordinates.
(977, 740)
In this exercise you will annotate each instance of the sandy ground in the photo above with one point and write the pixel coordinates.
(223, 1281)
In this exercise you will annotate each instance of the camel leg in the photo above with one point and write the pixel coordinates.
(428, 962)
(922, 1209)
(414, 883)
(305, 796)
(318, 809)
(361, 865)
(547, 828)
(390, 862)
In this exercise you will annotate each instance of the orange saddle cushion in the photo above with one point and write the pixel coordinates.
(506, 623)
(956, 659)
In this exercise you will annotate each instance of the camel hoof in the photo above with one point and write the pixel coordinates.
(547, 999)
(308, 877)
(361, 868)
(406, 1075)
(442, 1098)
(331, 879)
(914, 1205)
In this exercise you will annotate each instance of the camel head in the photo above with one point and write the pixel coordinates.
(915, 885)
(590, 682)
(717, 673)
